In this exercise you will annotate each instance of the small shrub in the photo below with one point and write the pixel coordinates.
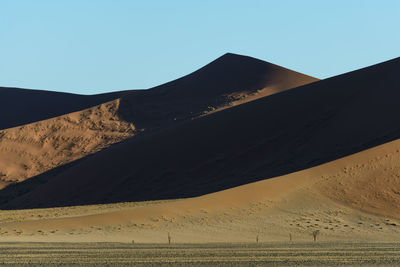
(315, 234)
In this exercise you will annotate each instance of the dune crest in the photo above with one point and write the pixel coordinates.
(227, 81)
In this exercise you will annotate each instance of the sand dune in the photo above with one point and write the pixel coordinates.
(31, 149)
(279, 134)
(229, 80)
(330, 198)
(47, 145)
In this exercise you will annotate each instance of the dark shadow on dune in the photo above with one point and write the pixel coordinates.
(16, 190)
(286, 132)
(169, 105)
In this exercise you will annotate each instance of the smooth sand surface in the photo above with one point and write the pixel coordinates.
(334, 198)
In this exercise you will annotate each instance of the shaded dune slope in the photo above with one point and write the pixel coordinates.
(31, 149)
(272, 136)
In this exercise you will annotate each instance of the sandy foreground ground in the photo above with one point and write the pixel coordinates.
(355, 198)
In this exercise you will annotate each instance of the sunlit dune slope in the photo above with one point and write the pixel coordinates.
(279, 134)
(23, 106)
(354, 198)
(31, 149)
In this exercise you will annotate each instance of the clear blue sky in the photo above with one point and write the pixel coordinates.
(94, 46)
